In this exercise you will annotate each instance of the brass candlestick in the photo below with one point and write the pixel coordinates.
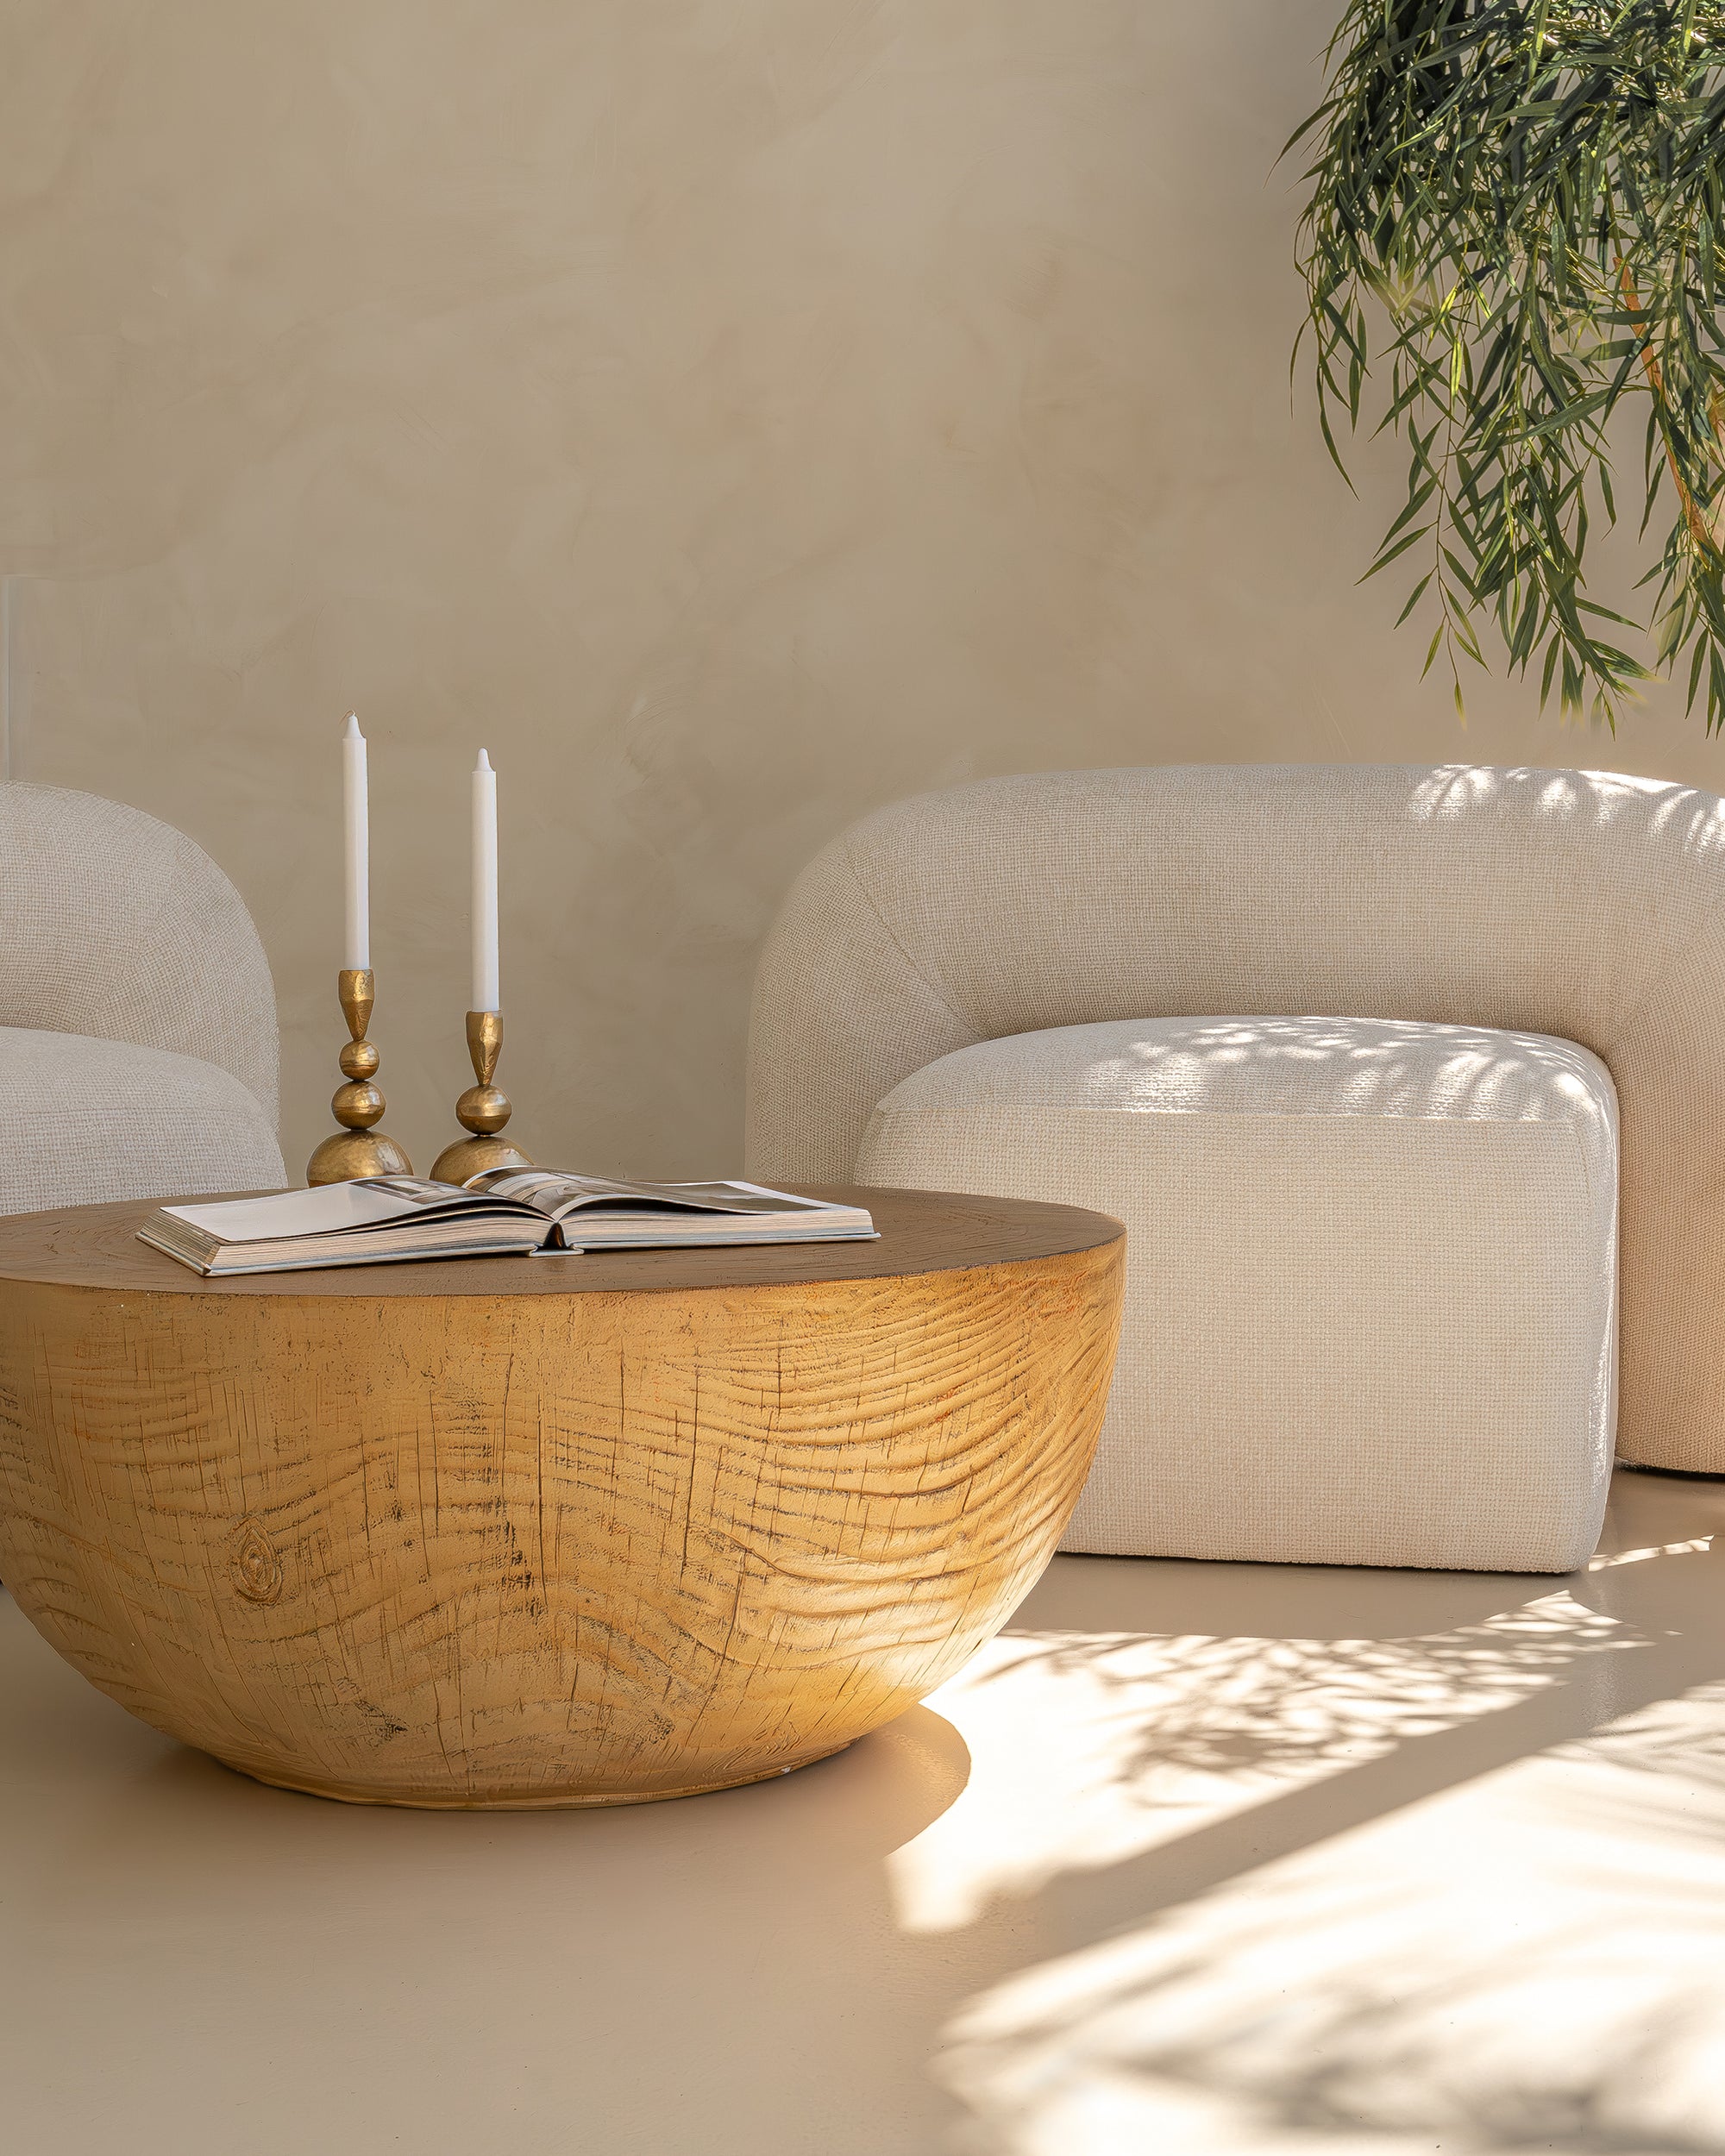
(483, 1109)
(357, 1150)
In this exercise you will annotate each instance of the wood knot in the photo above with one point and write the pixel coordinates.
(255, 1567)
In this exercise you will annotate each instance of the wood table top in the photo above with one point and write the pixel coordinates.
(921, 1231)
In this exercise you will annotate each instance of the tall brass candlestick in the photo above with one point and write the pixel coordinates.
(357, 1149)
(483, 1109)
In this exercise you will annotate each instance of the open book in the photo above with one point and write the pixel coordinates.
(386, 1219)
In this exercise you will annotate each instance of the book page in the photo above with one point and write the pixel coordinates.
(556, 1194)
(325, 1211)
(740, 1197)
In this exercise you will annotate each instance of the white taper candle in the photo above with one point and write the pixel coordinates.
(356, 836)
(485, 992)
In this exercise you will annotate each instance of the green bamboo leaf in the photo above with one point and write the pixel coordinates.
(1551, 665)
(1401, 547)
(1417, 499)
(1518, 203)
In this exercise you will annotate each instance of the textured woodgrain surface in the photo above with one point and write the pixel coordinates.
(921, 1231)
(538, 1548)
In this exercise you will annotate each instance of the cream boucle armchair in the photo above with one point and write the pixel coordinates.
(138, 1044)
(1339, 1045)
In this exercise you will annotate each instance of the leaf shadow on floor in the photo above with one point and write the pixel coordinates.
(1247, 1978)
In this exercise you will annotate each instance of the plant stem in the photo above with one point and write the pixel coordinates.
(1698, 527)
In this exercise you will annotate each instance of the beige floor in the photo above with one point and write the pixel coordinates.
(1197, 1859)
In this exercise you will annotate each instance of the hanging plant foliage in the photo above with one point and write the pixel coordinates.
(1515, 228)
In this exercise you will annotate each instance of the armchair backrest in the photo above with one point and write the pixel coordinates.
(116, 925)
(1580, 904)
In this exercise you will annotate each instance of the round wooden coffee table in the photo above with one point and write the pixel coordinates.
(545, 1531)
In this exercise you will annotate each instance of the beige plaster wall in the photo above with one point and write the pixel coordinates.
(733, 413)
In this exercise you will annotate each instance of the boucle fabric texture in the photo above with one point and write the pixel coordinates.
(1576, 904)
(117, 929)
(1370, 1311)
(128, 1122)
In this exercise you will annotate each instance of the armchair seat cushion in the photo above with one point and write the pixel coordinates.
(83, 1121)
(1371, 1275)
